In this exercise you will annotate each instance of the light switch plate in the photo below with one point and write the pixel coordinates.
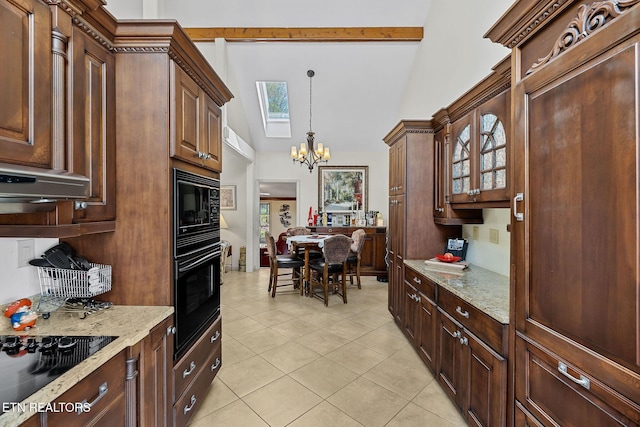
(26, 252)
(494, 235)
(476, 232)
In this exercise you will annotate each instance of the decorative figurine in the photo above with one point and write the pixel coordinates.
(21, 315)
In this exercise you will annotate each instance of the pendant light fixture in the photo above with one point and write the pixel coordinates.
(309, 155)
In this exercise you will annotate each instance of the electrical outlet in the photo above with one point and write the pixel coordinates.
(26, 252)
(476, 232)
(494, 235)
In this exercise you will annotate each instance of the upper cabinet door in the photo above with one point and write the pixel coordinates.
(479, 158)
(92, 151)
(198, 124)
(211, 137)
(25, 83)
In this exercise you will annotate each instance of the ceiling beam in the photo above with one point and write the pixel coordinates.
(318, 34)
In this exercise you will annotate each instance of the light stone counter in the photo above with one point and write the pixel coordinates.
(484, 289)
(130, 324)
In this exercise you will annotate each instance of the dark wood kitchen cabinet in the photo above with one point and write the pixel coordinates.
(80, 116)
(443, 211)
(198, 124)
(155, 392)
(25, 67)
(103, 390)
(574, 233)
(411, 158)
(193, 375)
(92, 150)
(420, 315)
(477, 147)
(470, 371)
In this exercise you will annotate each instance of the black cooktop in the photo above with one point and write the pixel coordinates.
(28, 363)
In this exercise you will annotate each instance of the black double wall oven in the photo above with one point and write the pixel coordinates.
(196, 250)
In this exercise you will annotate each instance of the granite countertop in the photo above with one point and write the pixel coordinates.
(130, 324)
(483, 289)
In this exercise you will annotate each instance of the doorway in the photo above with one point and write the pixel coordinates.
(278, 211)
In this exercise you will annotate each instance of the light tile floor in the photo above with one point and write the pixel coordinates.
(291, 361)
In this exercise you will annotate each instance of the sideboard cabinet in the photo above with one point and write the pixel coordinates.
(575, 230)
(373, 255)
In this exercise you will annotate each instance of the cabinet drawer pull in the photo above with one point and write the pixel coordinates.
(583, 381)
(188, 372)
(216, 365)
(86, 407)
(462, 313)
(215, 336)
(187, 408)
(418, 281)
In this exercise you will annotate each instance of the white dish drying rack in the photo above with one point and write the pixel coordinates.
(73, 289)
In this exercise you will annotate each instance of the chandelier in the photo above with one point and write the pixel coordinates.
(312, 155)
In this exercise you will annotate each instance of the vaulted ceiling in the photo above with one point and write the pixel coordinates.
(358, 85)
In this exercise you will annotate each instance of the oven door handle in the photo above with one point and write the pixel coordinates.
(197, 262)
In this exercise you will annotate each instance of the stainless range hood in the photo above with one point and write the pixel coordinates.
(28, 189)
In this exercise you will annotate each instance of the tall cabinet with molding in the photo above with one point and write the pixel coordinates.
(575, 257)
(412, 233)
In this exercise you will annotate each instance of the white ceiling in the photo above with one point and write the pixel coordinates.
(357, 89)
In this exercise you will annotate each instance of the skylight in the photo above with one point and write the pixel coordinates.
(274, 107)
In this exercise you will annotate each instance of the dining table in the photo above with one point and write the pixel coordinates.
(306, 242)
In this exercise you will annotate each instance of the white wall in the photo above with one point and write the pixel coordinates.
(18, 282)
(453, 55)
(271, 165)
(452, 58)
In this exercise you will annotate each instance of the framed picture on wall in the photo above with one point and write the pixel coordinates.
(342, 188)
(228, 197)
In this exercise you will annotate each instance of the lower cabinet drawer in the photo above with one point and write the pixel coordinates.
(103, 390)
(193, 361)
(484, 326)
(193, 396)
(558, 394)
(421, 283)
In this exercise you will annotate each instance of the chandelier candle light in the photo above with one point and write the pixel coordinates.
(312, 155)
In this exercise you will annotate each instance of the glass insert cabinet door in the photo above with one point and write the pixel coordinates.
(479, 154)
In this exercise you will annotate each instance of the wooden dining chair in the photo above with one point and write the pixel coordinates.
(332, 268)
(276, 262)
(353, 260)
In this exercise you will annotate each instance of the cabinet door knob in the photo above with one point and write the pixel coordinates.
(464, 341)
(456, 334)
(81, 205)
(171, 330)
